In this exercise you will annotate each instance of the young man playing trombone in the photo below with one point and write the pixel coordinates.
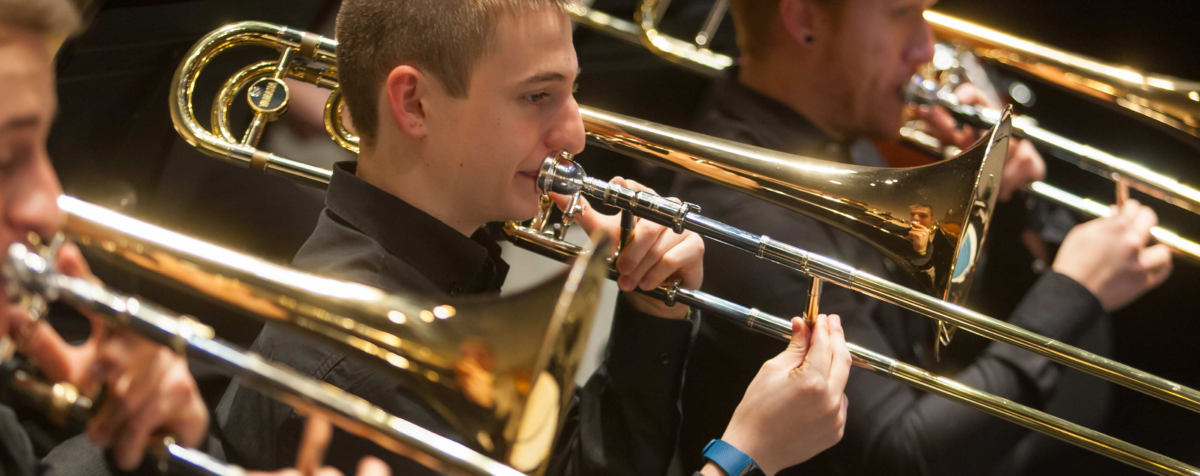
(149, 392)
(457, 104)
(820, 78)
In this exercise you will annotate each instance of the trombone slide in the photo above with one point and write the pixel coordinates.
(779, 328)
(569, 179)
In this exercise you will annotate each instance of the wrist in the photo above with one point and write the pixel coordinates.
(711, 469)
(732, 458)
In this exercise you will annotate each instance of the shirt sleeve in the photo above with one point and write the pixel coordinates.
(625, 419)
(903, 431)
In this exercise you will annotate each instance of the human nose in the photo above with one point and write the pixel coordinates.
(568, 132)
(920, 50)
(33, 204)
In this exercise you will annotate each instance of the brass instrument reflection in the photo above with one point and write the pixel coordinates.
(474, 372)
(927, 236)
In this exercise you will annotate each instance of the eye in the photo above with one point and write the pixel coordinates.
(537, 97)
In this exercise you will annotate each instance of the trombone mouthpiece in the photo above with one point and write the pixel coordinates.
(560, 174)
(14, 270)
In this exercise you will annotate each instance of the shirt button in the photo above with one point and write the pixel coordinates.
(456, 290)
(664, 359)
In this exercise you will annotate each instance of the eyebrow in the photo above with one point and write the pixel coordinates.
(19, 123)
(547, 77)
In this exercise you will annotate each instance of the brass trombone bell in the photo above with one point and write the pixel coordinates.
(533, 341)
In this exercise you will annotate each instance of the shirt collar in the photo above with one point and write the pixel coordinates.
(775, 123)
(453, 262)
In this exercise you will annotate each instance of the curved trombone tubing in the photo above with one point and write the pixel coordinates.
(537, 337)
(303, 56)
(34, 274)
(879, 364)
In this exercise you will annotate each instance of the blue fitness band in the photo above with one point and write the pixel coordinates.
(731, 460)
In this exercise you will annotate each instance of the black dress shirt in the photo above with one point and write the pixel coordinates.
(892, 428)
(16, 451)
(623, 421)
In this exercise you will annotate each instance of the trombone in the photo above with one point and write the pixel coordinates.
(1171, 102)
(543, 243)
(538, 338)
(648, 140)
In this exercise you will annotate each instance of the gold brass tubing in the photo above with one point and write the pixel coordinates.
(1086, 157)
(227, 94)
(1182, 247)
(1164, 100)
(688, 55)
(715, 16)
(1028, 417)
(618, 28)
(814, 301)
(874, 362)
(537, 336)
(1001, 331)
(183, 86)
(334, 108)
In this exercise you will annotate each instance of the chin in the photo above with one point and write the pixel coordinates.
(523, 207)
(885, 128)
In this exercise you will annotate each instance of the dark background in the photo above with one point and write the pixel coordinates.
(114, 140)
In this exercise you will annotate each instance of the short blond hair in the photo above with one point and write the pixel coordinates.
(444, 38)
(46, 17)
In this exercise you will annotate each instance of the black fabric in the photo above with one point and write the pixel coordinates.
(892, 428)
(16, 451)
(624, 421)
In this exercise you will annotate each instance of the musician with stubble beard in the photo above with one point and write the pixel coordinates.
(457, 105)
(820, 78)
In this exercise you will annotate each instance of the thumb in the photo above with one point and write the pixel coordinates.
(314, 442)
(56, 358)
(70, 262)
(372, 466)
(798, 347)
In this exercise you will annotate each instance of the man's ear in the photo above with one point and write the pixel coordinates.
(799, 19)
(406, 88)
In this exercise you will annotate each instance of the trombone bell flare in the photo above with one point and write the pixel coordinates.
(526, 346)
(874, 204)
